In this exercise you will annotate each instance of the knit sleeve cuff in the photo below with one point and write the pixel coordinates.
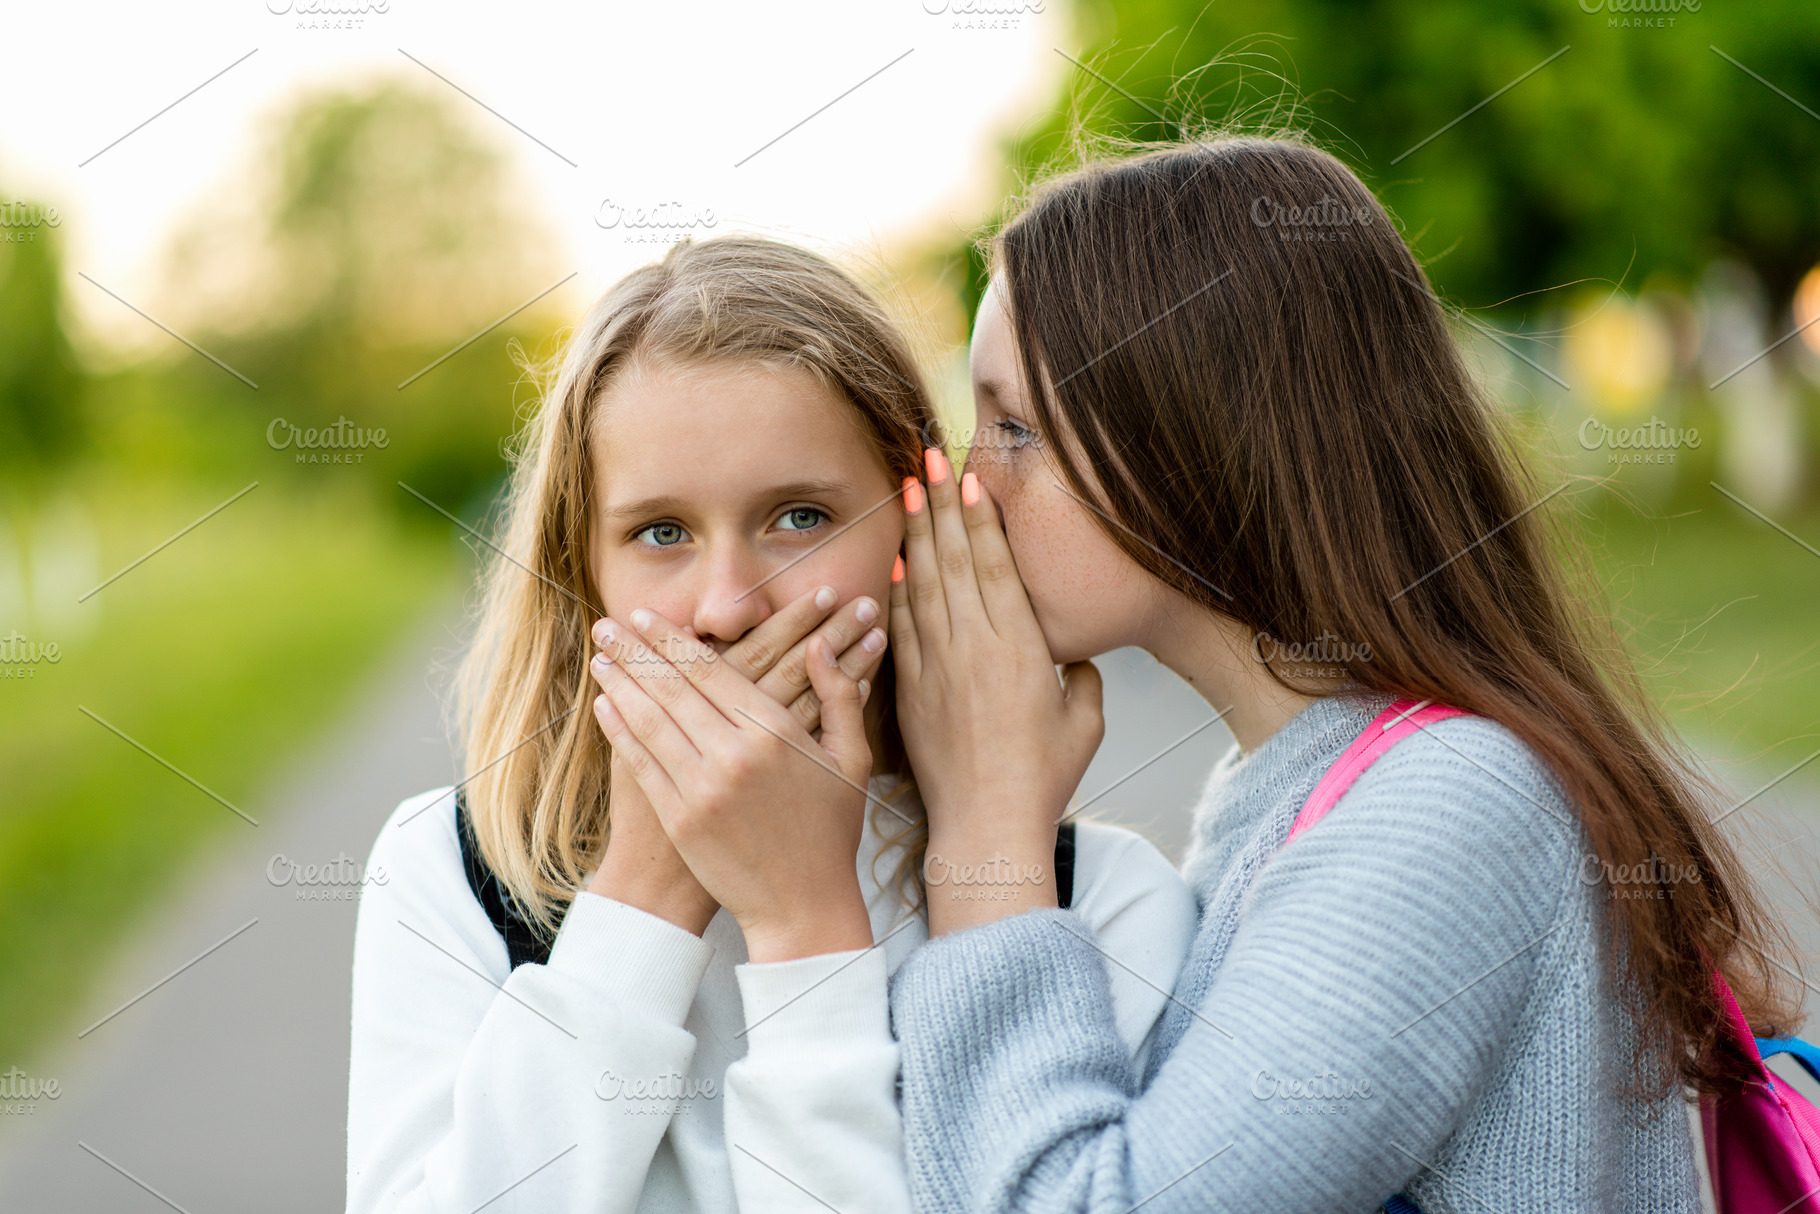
(633, 957)
(815, 1002)
(1041, 968)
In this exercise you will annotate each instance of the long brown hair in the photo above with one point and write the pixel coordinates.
(536, 764)
(1264, 387)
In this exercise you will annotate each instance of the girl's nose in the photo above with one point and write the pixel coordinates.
(733, 601)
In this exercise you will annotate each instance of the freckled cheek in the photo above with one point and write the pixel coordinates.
(997, 470)
(1071, 570)
(1039, 535)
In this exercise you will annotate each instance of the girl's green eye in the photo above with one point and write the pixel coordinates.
(1016, 435)
(663, 535)
(802, 518)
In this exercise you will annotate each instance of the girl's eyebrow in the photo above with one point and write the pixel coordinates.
(649, 507)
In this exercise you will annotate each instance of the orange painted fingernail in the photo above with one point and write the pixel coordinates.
(897, 570)
(970, 489)
(913, 495)
(937, 463)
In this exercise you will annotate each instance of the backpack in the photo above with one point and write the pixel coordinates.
(1762, 1144)
(526, 944)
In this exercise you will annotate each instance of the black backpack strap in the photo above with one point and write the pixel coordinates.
(1064, 865)
(524, 943)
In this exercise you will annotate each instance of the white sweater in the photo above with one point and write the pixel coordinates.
(613, 1078)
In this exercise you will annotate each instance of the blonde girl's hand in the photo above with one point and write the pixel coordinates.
(767, 817)
(775, 654)
(641, 866)
(998, 742)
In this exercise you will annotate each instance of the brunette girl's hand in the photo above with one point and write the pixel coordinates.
(998, 743)
(641, 866)
(767, 817)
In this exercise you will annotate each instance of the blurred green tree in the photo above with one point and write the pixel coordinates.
(1642, 149)
(41, 385)
(377, 231)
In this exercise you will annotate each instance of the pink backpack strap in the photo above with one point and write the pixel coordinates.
(1389, 727)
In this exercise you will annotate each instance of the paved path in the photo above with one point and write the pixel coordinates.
(225, 1090)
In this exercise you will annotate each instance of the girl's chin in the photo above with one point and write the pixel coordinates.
(1066, 650)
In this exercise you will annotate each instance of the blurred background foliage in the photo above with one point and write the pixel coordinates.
(1620, 231)
(1622, 211)
(1640, 152)
(372, 236)
(41, 386)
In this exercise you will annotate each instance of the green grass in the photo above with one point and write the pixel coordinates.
(224, 653)
(1723, 615)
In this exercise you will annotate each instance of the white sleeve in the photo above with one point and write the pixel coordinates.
(811, 1110)
(1143, 917)
(472, 1086)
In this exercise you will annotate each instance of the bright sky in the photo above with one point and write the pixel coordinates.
(637, 106)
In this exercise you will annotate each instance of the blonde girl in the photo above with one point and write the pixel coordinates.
(552, 1011)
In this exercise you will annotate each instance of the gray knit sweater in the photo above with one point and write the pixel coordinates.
(1411, 998)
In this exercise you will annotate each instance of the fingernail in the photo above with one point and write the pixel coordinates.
(937, 463)
(865, 689)
(913, 495)
(824, 598)
(605, 633)
(897, 569)
(873, 641)
(641, 620)
(867, 611)
(601, 661)
(970, 489)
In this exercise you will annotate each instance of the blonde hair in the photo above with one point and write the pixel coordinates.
(536, 763)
